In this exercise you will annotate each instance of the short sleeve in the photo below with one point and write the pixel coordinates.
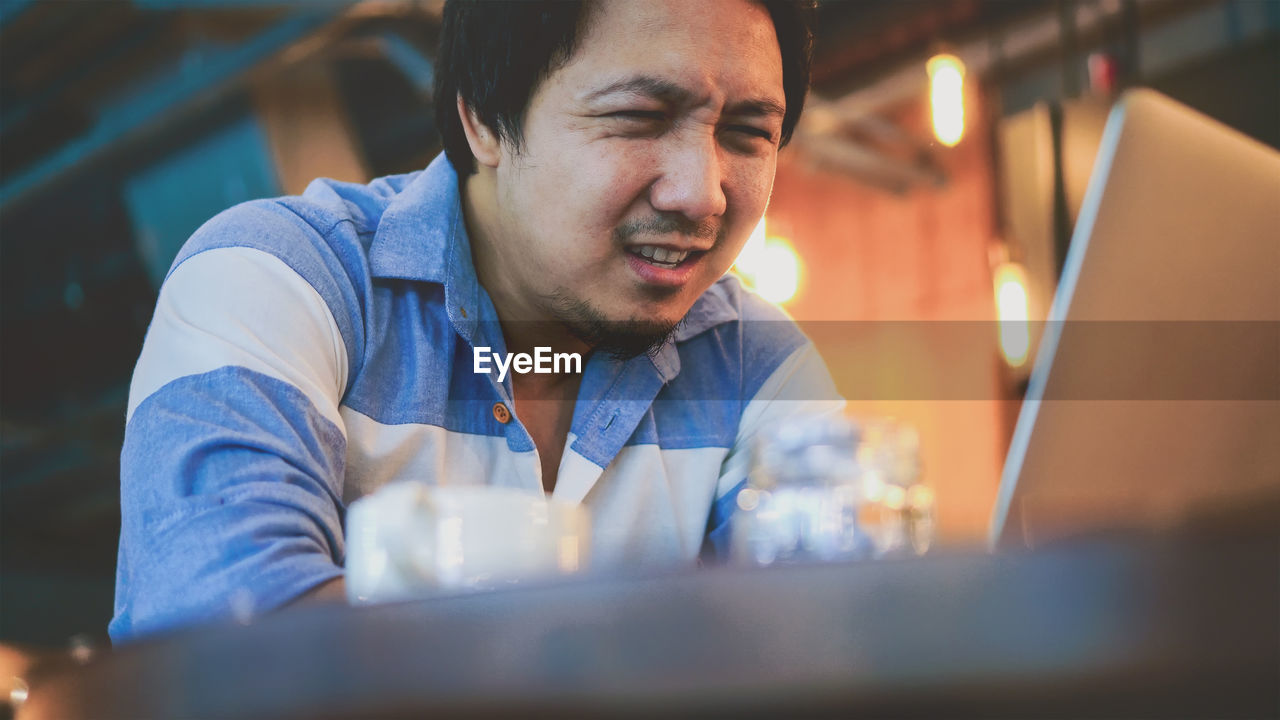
(234, 451)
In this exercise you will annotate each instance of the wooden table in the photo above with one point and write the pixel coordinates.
(1104, 629)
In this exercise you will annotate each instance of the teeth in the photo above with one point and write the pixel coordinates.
(662, 256)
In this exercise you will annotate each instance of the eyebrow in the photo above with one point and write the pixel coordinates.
(761, 107)
(669, 92)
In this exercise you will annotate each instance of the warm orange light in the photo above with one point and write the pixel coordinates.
(770, 265)
(1012, 312)
(946, 98)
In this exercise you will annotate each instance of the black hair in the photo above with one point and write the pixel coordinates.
(495, 54)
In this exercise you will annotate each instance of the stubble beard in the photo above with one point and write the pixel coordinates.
(619, 339)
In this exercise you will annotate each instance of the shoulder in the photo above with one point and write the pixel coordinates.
(327, 228)
(733, 335)
(299, 256)
(728, 311)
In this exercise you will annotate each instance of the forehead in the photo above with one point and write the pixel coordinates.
(714, 49)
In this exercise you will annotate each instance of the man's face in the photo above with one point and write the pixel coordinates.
(647, 160)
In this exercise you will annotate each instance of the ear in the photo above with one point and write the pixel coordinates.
(485, 145)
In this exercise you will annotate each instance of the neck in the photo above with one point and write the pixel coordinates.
(525, 324)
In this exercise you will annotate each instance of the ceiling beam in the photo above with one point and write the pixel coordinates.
(205, 75)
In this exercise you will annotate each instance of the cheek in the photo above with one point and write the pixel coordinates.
(748, 196)
(750, 182)
(567, 209)
(616, 172)
(601, 191)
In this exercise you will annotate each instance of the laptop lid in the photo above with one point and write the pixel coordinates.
(1156, 390)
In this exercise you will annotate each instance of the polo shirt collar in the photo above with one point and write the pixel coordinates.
(422, 236)
(418, 227)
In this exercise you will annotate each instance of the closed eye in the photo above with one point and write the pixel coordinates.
(752, 131)
(637, 123)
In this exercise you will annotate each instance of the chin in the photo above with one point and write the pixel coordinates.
(649, 316)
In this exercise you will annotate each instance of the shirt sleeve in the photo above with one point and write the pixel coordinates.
(234, 451)
(801, 386)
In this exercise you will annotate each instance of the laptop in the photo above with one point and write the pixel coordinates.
(1155, 394)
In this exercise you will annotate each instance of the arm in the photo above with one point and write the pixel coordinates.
(333, 591)
(234, 453)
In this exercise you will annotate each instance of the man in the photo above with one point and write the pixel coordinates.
(605, 163)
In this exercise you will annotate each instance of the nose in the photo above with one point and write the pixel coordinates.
(692, 181)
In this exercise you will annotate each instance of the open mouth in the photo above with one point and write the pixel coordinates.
(663, 257)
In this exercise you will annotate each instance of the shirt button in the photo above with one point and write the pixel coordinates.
(501, 413)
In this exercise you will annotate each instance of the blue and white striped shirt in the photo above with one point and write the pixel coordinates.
(307, 350)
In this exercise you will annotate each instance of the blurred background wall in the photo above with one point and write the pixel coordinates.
(126, 124)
